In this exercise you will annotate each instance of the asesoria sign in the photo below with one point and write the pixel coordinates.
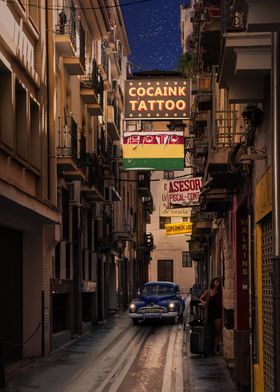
(157, 99)
(182, 192)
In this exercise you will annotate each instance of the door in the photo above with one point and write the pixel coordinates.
(165, 270)
(11, 292)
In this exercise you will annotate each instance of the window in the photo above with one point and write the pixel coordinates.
(57, 261)
(147, 126)
(186, 259)
(6, 107)
(34, 7)
(21, 121)
(163, 220)
(168, 174)
(35, 133)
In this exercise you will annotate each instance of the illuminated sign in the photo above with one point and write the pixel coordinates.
(178, 228)
(157, 99)
(151, 150)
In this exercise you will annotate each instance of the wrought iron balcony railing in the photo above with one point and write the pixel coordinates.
(67, 23)
(104, 58)
(93, 80)
(67, 146)
(233, 16)
(226, 132)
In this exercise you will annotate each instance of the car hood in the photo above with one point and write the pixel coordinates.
(156, 299)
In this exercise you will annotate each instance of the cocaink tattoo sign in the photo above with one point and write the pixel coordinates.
(157, 99)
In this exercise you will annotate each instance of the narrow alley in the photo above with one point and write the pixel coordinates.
(120, 357)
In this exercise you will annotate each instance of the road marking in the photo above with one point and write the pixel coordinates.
(121, 370)
(179, 360)
(167, 373)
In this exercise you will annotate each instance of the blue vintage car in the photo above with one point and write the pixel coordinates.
(158, 300)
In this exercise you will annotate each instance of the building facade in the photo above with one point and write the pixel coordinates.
(235, 124)
(73, 223)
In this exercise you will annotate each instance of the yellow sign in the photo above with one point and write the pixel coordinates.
(178, 228)
(264, 195)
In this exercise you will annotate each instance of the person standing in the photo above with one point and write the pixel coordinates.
(212, 300)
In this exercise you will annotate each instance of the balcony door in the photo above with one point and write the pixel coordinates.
(165, 270)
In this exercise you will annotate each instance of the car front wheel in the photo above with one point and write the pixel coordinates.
(135, 321)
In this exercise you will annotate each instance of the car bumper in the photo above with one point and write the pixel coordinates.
(143, 316)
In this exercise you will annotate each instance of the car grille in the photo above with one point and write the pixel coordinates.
(153, 309)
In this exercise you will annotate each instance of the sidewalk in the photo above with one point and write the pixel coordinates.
(204, 374)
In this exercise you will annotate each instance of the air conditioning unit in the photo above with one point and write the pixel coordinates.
(74, 193)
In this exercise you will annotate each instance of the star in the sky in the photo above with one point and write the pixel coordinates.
(153, 30)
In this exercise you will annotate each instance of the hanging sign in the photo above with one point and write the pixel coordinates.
(151, 150)
(178, 228)
(183, 192)
(164, 209)
(157, 99)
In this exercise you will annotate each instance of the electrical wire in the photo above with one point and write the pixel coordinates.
(27, 4)
(151, 180)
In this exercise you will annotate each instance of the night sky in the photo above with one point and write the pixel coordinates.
(153, 29)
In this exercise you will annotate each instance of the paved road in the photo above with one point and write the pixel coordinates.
(120, 357)
(115, 358)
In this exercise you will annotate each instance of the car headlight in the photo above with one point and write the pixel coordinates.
(132, 307)
(171, 306)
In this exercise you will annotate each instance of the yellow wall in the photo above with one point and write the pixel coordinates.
(263, 206)
(258, 367)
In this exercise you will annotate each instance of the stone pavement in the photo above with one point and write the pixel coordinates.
(50, 374)
(204, 374)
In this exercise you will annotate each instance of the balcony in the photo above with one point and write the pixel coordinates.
(91, 88)
(65, 32)
(246, 57)
(70, 150)
(263, 15)
(203, 97)
(113, 118)
(93, 189)
(143, 185)
(114, 52)
(226, 137)
(70, 41)
(148, 204)
(126, 233)
(216, 200)
(198, 167)
(103, 66)
(200, 146)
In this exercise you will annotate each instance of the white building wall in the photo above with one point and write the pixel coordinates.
(171, 246)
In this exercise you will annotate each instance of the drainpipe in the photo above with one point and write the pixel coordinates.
(276, 204)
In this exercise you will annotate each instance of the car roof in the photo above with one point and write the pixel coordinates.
(160, 282)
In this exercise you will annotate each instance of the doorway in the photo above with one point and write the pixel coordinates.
(165, 270)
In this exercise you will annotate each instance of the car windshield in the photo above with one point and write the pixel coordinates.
(158, 289)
